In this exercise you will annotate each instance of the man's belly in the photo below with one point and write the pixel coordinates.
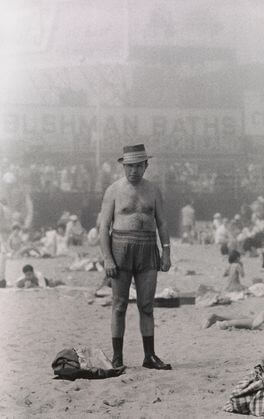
(134, 222)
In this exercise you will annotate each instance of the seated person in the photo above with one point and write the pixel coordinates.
(234, 271)
(19, 243)
(240, 322)
(14, 241)
(28, 247)
(48, 244)
(61, 241)
(74, 231)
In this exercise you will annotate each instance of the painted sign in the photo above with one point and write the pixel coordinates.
(163, 130)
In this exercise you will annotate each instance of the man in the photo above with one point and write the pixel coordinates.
(132, 210)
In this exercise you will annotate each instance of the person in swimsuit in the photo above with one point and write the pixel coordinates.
(132, 210)
(234, 271)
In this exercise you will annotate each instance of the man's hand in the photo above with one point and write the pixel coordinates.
(110, 269)
(165, 261)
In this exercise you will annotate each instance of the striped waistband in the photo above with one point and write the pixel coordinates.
(130, 236)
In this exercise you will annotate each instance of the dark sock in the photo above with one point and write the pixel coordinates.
(117, 347)
(148, 344)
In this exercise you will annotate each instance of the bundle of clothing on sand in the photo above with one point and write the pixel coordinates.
(247, 396)
(84, 362)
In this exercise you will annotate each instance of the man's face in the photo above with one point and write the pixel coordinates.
(135, 172)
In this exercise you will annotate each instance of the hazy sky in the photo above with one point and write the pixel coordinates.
(69, 35)
(237, 24)
(54, 30)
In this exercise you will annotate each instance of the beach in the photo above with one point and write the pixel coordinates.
(35, 324)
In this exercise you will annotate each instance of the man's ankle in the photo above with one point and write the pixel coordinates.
(148, 344)
(117, 344)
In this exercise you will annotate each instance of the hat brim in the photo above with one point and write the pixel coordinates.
(136, 160)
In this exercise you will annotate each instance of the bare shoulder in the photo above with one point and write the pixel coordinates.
(113, 190)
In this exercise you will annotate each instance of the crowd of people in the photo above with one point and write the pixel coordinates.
(188, 175)
(47, 176)
(196, 178)
(51, 242)
(67, 238)
(184, 175)
(244, 232)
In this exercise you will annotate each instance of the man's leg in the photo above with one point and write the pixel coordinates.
(146, 283)
(120, 293)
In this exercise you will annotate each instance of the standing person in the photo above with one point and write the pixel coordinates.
(222, 236)
(217, 222)
(132, 210)
(188, 222)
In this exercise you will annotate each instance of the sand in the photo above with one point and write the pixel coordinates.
(36, 324)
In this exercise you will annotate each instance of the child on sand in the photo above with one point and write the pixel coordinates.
(34, 279)
(224, 322)
(234, 271)
(30, 279)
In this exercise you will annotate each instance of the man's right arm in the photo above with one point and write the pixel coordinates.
(107, 216)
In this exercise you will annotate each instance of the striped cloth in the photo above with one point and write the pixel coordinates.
(248, 395)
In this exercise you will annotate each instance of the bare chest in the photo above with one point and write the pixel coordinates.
(132, 202)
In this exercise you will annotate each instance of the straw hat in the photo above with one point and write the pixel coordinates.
(134, 154)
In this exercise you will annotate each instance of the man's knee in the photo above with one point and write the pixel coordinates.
(145, 307)
(120, 306)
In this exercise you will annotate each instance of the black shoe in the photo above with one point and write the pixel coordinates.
(117, 362)
(153, 362)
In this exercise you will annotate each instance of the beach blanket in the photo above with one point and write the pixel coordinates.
(248, 395)
(84, 362)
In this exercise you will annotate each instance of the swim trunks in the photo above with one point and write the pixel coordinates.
(135, 251)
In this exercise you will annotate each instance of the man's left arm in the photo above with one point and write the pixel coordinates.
(163, 232)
